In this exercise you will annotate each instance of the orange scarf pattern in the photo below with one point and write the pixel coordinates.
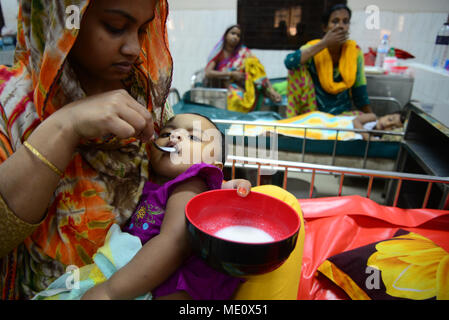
(103, 182)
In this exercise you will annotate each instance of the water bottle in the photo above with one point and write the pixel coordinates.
(382, 51)
(446, 61)
(390, 61)
(440, 49)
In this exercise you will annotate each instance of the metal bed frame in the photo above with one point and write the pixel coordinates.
(287, 166)
(303, 146)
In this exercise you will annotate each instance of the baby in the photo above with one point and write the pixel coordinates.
(164, 265)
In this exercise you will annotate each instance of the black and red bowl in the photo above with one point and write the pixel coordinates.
(235, 254)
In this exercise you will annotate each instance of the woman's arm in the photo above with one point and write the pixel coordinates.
(215, 74)
(223, 75)
(332, 37)
(27, 184)
(160, 257)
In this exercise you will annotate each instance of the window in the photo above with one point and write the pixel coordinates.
(281, 24)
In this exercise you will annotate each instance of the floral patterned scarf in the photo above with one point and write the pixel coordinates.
(103, 182)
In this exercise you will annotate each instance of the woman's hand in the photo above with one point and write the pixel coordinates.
(237, 76)
(243, 186)
(114, 112)
(335, 36)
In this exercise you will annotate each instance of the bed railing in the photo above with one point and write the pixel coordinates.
(303, 147)
(288, 166)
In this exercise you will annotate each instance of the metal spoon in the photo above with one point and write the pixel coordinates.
(165, 149)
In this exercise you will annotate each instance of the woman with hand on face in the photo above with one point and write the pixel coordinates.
(77, 111)
(328, 74)
(238, 70)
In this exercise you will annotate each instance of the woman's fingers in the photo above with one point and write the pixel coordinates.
(145, 130)
(120, 128)
(114, 112)
(141, 123)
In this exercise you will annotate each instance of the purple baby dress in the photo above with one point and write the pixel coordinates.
(195, 277)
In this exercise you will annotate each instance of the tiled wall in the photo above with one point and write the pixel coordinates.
(431, 88)
(10, 9)
(193, 33)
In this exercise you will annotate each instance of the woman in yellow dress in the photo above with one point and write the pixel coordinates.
(238, 70)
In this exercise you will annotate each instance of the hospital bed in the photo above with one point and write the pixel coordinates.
(357, 248)
(379, 154)
(343, 231)
(344, 234)
(387, 94)
(341, 227)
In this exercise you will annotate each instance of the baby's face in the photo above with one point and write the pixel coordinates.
(195, 139)
(389, 122)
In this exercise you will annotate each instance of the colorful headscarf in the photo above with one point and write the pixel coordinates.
(103, 182)
(218, 48)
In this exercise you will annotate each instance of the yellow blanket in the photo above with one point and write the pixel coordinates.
(310, 119)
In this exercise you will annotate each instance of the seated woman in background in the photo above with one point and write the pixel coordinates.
(328, 74)
(238, 70)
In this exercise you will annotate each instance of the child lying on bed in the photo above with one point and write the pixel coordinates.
(369, 121)
(162, 264)
(321, 121)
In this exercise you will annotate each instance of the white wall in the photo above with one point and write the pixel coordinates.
(196, 25)
(10, 9)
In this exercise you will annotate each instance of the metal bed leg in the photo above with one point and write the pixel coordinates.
(312, 182)
(426, 197)
(341, 184)
(396, 195)
(370, 186)
(365, 157)
(335, 148)
(304, 145)
(284, 185)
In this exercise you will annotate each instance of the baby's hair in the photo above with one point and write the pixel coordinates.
(222, 136)
(402, 115)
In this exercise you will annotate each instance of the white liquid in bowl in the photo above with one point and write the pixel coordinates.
(244, 234)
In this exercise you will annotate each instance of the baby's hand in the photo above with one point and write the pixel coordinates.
(243, 186)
